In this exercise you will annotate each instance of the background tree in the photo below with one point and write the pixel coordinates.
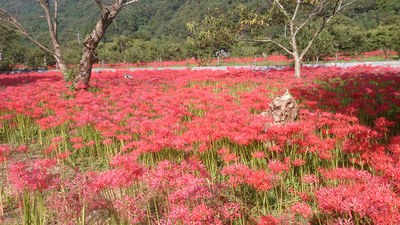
(212, 36)
(162, 23)
(72, 52)
(296, 15)
(11, 52)
(323, 46)
(384, 38)
(108, 12)
(52, 19)
(347, 35)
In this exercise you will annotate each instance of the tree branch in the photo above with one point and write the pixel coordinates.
(8, 18)
(100, 5)
(296, 10)
(316, 10)
(348, 4)
(51, 23)
(55, 19)
(267, 40)
(130, 2)
(282, 8)
(315, 36)
(337, 8)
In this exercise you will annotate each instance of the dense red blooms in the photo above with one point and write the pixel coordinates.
(190, 147)
(130, 209)
(301, 209)
(370, 198)
(34, 176)
(269, 220)
(4, 151)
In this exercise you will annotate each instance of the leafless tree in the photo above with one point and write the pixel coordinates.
(108, 13)
(300, 13)
(52, 23)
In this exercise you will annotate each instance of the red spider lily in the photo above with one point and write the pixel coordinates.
(36, 176)
(4, 151)
(258, 155)
(268, 220)
(371, 198)
(277, 166)
(301, 209)
(160, 132)
(309, 179)
(129, 209)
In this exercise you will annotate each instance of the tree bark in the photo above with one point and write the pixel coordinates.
(108, 14)
(297, 67)
(61, 63)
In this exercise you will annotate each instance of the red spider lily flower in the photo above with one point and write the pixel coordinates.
(269, 220)
(301, 209)
(231, 211)
(309, 179)
(107, 141)
(4, 151)
(371, 198)
(277, 167)
(261, 180)
(64, 155)
(130, 209)
(36, 176)
(258, 155)
(22, 148)
(299, 162)
(57, 139)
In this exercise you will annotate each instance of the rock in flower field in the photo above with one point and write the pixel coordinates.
(190, 147)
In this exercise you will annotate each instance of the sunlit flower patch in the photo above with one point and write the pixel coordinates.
(191, 147)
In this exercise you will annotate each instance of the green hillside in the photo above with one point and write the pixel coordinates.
(153, 18)
(160, 25)
(167, 18)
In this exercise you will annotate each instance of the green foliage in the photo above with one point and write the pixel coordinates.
(16, 51)
(323, 46)
(388, 11)
(11, 52)
(250, 49)
(385, 38)
(157, 29)
(124, 49)
(347, 35)
(217, 32)
(72, 52)
(36, 58)
(70, 73)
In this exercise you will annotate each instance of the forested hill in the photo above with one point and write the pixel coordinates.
(166, 19)
(150, 30)
(148, 18)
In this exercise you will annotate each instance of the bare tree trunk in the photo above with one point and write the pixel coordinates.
(296, 56)
(60, 61)
(387, 53)
(90, 45)
(85, 69)
(297, 66)
(108, 14)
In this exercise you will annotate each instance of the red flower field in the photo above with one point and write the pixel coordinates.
(191, 147)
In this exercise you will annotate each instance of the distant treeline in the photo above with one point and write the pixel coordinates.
(156, 30)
